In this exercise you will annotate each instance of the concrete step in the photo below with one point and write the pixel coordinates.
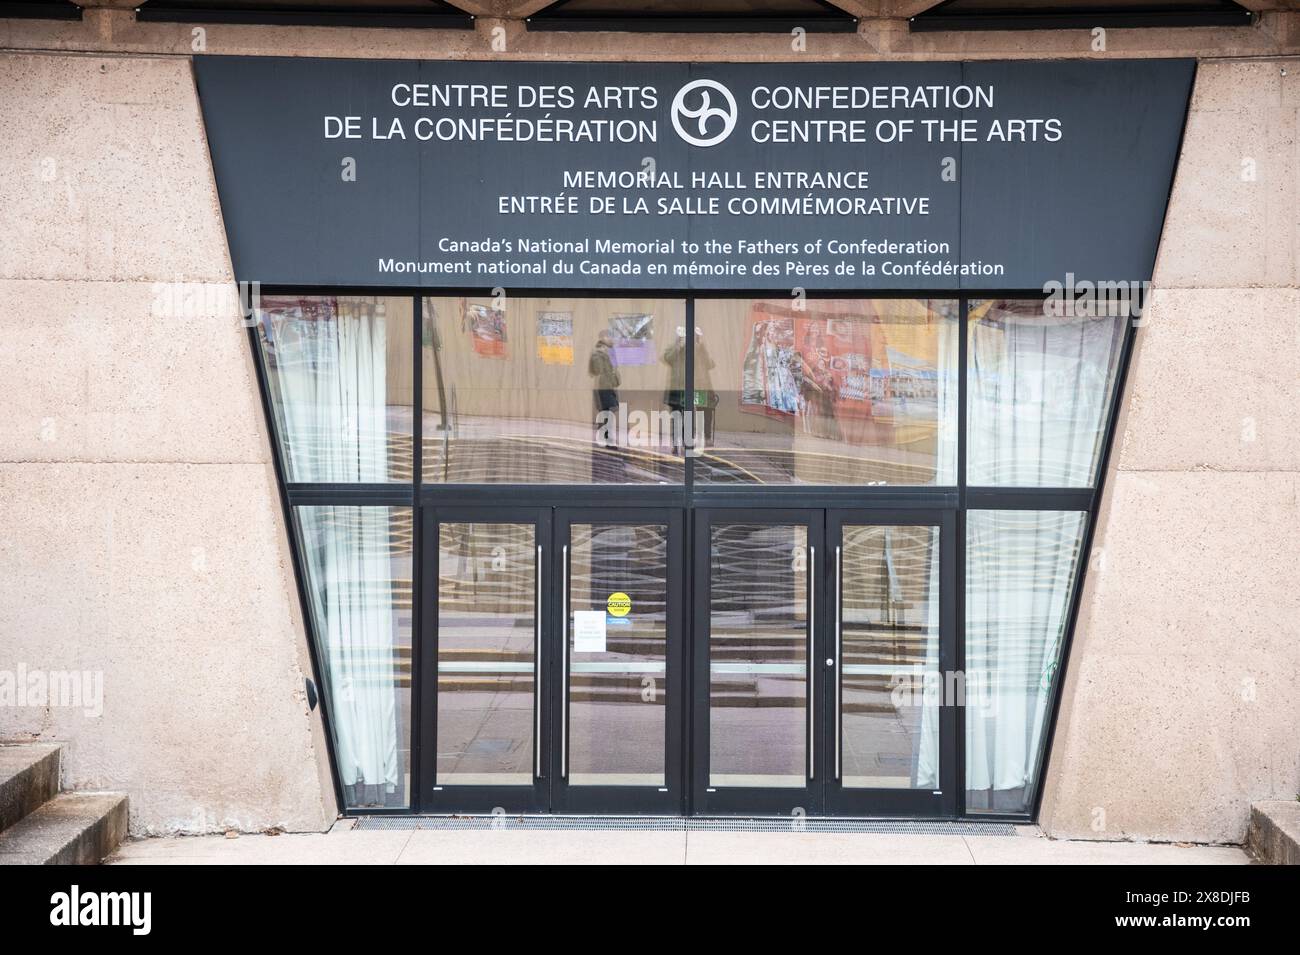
(1274, 833)
(74, 828)
(29, 776)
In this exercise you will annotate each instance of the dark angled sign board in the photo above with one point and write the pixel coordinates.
(907, 176)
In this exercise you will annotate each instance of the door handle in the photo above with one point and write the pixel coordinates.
(538, 696)
(812, 670)
(839, 652)
(564, 659)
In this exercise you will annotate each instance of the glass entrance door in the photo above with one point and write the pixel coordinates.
(619, 662)
(483, 659)
(757, 584)
(889, 658)
(552, 660)
(823, 643)
(823, 661)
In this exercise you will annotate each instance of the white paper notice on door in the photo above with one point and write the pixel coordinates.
(588, 631)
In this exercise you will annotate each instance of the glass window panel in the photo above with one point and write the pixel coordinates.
(357, 564)
(1020, 571)
(1040, 388)
(551, 391)
(618, 695)
(826, 391)
(889, 618)
(340, 371)
(758, 654)
(487, 583)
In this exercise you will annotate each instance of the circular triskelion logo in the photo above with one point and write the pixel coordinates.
(704, 112)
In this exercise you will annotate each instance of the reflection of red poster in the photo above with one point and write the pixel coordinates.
(836, 354)
(487, 329)
(767, 374)
(813, 364)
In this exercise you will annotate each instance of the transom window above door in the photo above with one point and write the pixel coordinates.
(633, 391)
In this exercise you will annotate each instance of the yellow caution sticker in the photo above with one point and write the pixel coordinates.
(619, 604)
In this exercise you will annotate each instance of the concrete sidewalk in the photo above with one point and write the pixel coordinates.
(347, 846)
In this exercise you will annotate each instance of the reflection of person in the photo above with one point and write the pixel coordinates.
(706, 399)
(677, 398)
(812, 340)
(818, 393)
(606, 465)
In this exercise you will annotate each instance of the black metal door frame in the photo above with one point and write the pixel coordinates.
(469, 798)
(714, 800)
(845, 801)
(550, 791)
(668, 799)
(823, 793)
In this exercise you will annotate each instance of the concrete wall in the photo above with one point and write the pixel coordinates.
(1182, 700)
(140, 534)
(140, 531)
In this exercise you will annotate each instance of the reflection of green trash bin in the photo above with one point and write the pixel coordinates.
(706, 402)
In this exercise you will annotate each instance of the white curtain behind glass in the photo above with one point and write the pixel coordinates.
(1020, 566)
(350, 575)
(1039, 392)
(926, 775)
(327, 371)
(327, 366)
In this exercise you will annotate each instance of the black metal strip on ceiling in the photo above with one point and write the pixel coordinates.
(824, 17)
(429, 14)
(965, 15)
(40, 10)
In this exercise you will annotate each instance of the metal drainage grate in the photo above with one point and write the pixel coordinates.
(694, 824)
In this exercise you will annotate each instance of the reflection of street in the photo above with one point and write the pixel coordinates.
(771, 458)
(617, 697)
(486, 449)
(758, 643)
(486, 584)
(543, 451)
